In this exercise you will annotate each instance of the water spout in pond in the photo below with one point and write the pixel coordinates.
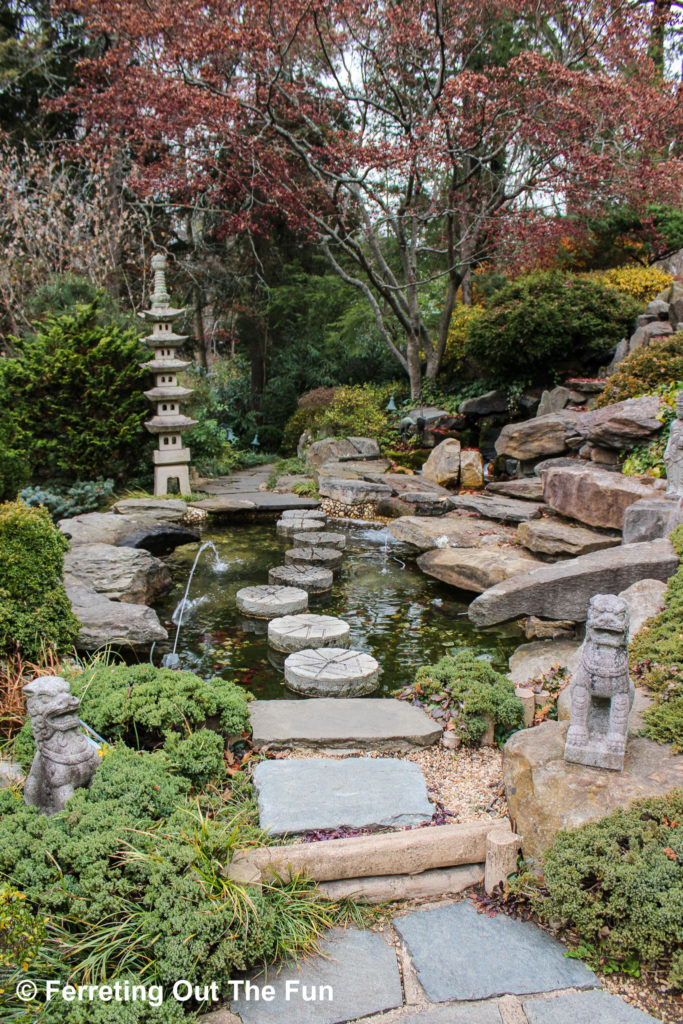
(172, 660)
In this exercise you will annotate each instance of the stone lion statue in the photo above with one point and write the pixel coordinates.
(602, 691)
(65, 760)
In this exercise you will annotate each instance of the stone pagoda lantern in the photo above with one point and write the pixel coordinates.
(171, 459)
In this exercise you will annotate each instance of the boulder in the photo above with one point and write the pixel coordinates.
(471, 469)
(546, 794)
(538, 437)
(453, 530)
(506, 510)
(476, 569)
(120, 574)
(536, 628)
(352, 492)
(527, 488)
(484, 405)
(537, 658)
(624, 424)
(354, 469)
(645, 599)
(556, 463)
(171, 510)
(596, 496)
(157, 534)
(551, 536)
(103, 622)
(562, 590)
(553, 401)
(443, 465)
(648, 333)
(650, 519)
(347, 448)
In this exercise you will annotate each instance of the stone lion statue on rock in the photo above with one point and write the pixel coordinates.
(602, 691)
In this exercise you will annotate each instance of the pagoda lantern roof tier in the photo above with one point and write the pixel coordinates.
(165, 339)
(164, 365)
(168, 391)
(162, 313)
(170, 424)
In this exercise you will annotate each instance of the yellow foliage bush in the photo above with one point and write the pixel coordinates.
(642, 283)
(462, 317)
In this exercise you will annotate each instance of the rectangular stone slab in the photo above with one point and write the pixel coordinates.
(460, 954)
(584, 1008)
(507, 510)
(341, 723)
(563, 590)
(360, 968)
(358, 792)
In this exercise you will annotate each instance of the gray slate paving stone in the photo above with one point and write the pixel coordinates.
(360, 967)
(358, 792)
(479, 956)
(472, 1013)
(584, 1008)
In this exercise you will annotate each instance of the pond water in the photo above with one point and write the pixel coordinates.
(402, 617)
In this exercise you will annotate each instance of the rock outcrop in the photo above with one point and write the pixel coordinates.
(119, 573)
(453, 530)
(552, 536)
(505, 510)
(443, 465)
(105, 622)
(595, 496)
(476, 569)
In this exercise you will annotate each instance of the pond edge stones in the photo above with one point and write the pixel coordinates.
(271, 601)
(314, 580)
(331, 672)
(326, 557)
(320, 540)
(292, 633)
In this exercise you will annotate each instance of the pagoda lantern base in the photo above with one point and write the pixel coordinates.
(163, 476)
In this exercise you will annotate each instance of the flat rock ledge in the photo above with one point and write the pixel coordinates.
(133, 626)
(559, 537)
(476, 569)
(506, 510)
(270, 602)
(328, 558)
(563, 590)
(359, 792)
(320, 540)
(333, 723)
(547, 794)
(314, 580)
(292, 633)
(331, 672)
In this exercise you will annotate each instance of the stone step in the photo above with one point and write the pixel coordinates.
(286, 528)
(390, 888)
(479, 568)
(314, 580)
(328, 558)
(563, 590)
(324, 793)
(334, 723)
(229, 503)
(271, 602)
(320, 540)
(331, 672)
(292, 633)
(506, 510)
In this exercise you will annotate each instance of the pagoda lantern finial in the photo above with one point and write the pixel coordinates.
(171, 459)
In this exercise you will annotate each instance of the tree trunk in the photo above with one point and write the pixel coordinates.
(199, 328)
(414, 368)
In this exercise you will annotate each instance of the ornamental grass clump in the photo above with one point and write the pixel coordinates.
(465, 694)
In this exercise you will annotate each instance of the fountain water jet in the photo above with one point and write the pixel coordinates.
(172, 660)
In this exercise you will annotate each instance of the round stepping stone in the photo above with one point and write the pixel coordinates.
(313, 579)
(327, 557)
(307, 513)
(269, 602)
(320, 540)
(288, 527)
(299, 632)
(331, 672)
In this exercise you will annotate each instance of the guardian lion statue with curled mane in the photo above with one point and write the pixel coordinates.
(65, 760)
(602, 691)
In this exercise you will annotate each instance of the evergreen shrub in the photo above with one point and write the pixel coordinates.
(645, 370)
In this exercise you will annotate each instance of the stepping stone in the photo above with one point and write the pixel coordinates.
(354, 975)
(320, 540)
(331, 672)
(506, 510)
(480, 957)
(584, 1008)
(269, 602)
(314, 580)
(327, 557)
(286, 528)
(295, 513)
(357, 792)
(337, 723)
(292, 633)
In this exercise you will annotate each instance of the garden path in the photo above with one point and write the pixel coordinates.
(239, 492)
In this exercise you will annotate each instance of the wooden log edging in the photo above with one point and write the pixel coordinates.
(409, 852)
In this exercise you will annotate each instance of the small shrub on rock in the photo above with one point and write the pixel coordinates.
(35, 613)
(618, 882)
(65, 502)
(466, 691)
(645, 370)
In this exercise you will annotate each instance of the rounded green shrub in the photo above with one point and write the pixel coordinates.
(618, 882)
(35, 612)
(77, 401)
(466, 690)
(544, 318)
(646, 370)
